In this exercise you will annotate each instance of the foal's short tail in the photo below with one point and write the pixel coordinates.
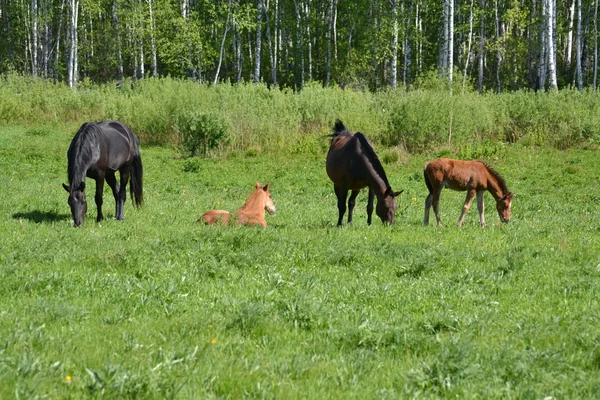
(427, 182)
(136, 171)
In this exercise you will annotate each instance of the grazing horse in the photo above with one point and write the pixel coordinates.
(473, 176)
(251, 213)
(98, 151)
(352, 165)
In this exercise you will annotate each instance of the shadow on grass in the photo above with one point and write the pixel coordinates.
(38, 216)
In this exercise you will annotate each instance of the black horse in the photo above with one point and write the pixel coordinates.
(352, 165)
(97, 151)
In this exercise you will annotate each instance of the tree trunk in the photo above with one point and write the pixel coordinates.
(152, 41)
(481, 47)
(469, 42)
(308, 38)
(498, 52)
(394, 59)
(73, 65)
(223, 43)
(551, 43)
(329, 38)
(542, 56)
(595, 45)
(450, 42)
(118, 40)
(569, 44)
(578, 72)
(258, 51)
(34, 37)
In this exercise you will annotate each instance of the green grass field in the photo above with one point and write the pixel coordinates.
(160, 306)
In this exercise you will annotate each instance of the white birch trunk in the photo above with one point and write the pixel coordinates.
(450, 42)
(498, 52)
(595, 45)
(481, 48)
(550, 39)
(258, 51)
(394, 60)
(308, 38)
(469, 43)
(578, 72)
(223, 44)
(569, 44)
(153, 65)
(34, 37)
(73, 65)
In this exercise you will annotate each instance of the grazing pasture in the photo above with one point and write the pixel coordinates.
(160, 306)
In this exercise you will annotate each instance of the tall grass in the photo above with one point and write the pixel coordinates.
(264, 119)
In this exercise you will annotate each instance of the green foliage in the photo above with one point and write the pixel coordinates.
(202, 132)
(260, 119)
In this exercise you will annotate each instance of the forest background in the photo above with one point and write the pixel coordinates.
(500, 45)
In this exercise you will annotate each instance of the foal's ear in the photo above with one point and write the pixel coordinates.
(256, 185)
(395, 194)
(266, 187)
(67, 188)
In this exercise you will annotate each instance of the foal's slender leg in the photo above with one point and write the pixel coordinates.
(370, 206)
(124, 172)
(436, 204)
(481, 208)
(466, 206)
(112, 182)
(341, 194)
(98, 197)
(351, 203)
(428, 202)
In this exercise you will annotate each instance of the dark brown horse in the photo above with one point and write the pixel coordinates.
(473, 176)
(352, 165)
(98, 151)
(251, 213)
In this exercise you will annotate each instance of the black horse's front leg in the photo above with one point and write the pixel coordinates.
(370, 206)
(98, 197)
(341, 194)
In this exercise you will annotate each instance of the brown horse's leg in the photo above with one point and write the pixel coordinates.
(114, 186)
(428, 202)
(122, 195)
(351, 204)
(341, 194)
(436, 204)
(481, 208)
(466, 206)
(98, 197)
(370, 206)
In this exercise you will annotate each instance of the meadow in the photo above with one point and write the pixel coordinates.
(160, 306)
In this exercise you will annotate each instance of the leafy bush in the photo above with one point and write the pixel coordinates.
(202, 132)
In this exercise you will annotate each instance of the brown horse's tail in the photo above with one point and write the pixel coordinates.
(427, 181)
(136, 171)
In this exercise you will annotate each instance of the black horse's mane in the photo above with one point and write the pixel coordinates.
(82, 151)
(499, 178)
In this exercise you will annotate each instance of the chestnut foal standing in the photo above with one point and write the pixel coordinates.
(473, 176)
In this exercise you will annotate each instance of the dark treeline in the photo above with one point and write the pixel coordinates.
(498, 45)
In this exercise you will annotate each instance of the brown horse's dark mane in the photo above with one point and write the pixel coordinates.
(372, 156)
(498, 177)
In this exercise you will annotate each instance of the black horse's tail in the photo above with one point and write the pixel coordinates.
(427, 182)
(136, 171)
